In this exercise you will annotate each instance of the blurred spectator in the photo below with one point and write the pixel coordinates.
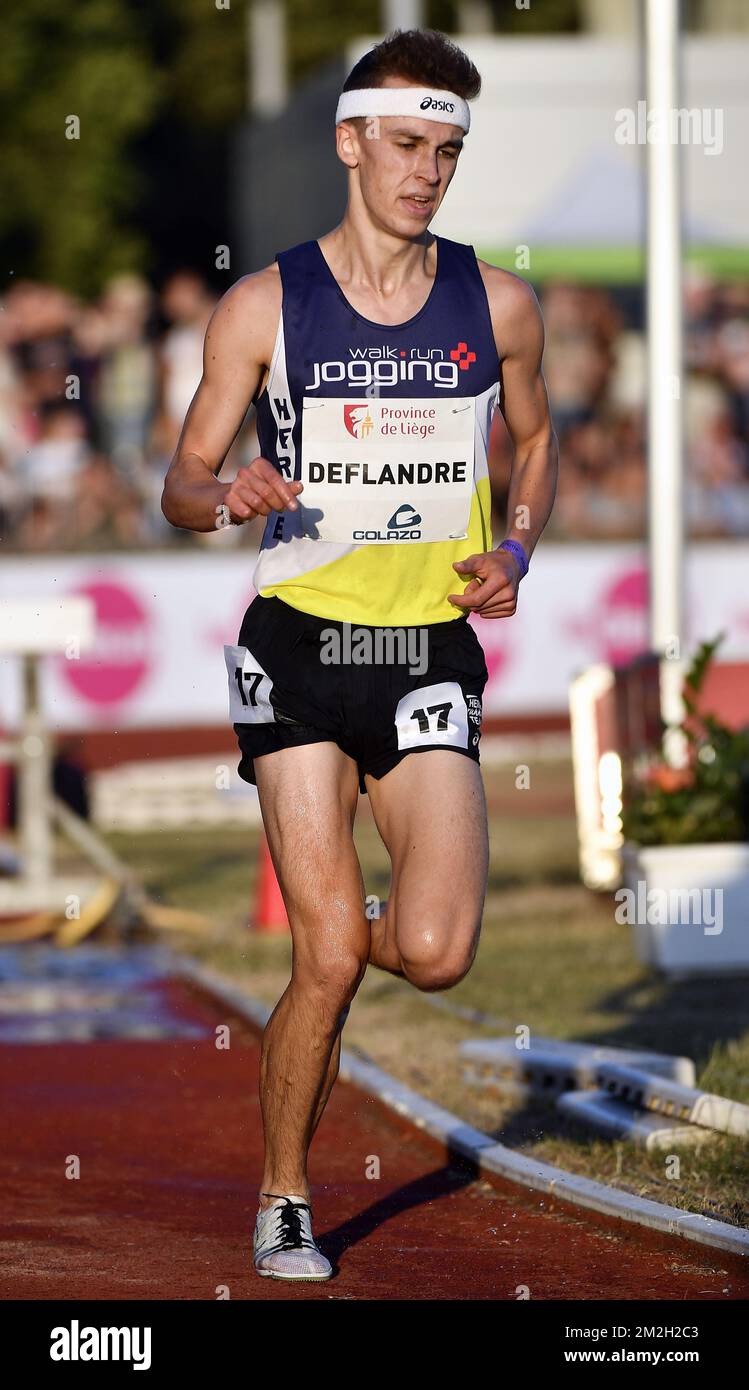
(127, 386)
(580, 329)
(49, 474)
(188, 305)
(38, 323)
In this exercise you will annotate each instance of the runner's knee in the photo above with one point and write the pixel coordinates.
(430, 966)
(331, 977)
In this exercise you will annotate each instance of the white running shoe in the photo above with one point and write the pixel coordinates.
(282, 1245)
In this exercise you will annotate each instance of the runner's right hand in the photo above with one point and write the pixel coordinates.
(258, 490)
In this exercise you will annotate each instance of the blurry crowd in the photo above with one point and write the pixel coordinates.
(595, 366)
(93, 397)
(92, 400)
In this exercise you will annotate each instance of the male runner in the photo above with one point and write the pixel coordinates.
(375, 358)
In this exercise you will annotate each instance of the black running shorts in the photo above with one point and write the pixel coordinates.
(379, 693)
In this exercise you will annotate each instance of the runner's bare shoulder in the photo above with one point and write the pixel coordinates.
(515, 311)
(245, 319)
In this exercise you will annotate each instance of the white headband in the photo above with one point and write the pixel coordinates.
(425, 102)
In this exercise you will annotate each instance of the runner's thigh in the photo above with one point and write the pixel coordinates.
(431, 813)
(308, 798)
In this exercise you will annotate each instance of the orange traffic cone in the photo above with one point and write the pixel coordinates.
(270, 913)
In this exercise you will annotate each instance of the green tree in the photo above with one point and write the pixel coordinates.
(203, 48)
(158, 87)
(66, 202)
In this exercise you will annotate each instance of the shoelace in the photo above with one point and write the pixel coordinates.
(290, 1224)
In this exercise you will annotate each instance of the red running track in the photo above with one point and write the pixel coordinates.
(169, 1141)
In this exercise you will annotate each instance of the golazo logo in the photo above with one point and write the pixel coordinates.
(401, 527)
(432, 104)
(76, 1343)
(358, 420)
(398, 519)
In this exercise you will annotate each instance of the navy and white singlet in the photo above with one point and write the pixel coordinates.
(329, 361)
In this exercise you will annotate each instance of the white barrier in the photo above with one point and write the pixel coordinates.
(553, 1065)
(29, 628)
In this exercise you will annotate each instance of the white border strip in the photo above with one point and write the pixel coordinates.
(481, 1148)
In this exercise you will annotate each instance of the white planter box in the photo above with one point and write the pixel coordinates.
(697, 920)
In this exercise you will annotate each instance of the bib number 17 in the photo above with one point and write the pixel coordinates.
(424, 718)
(249, 688)
(433, 714)
(247, 685)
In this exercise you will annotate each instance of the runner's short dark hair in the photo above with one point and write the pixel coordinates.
(423, 56)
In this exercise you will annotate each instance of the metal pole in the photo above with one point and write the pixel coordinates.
(665, 500)
(34, 781)
(402, 14)
(267, 60)
(474, 17)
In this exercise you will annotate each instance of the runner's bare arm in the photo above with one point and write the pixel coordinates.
(238, 345)
(519, 334)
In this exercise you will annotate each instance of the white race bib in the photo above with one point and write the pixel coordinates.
(387, 470)
(249, 688)
(433, 714)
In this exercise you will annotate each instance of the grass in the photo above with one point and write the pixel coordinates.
(612, 265)
(551, 957)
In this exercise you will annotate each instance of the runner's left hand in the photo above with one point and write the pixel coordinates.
(493, 591)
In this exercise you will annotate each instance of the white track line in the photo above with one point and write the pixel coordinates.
(451, 1131)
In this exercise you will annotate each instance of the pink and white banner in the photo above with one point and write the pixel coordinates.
(163, 620)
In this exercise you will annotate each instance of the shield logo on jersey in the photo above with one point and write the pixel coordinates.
(358, 420)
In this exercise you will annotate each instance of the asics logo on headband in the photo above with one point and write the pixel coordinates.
(425, 103)
(430, 104)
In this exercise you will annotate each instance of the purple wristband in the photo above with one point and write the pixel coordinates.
(516, 549)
